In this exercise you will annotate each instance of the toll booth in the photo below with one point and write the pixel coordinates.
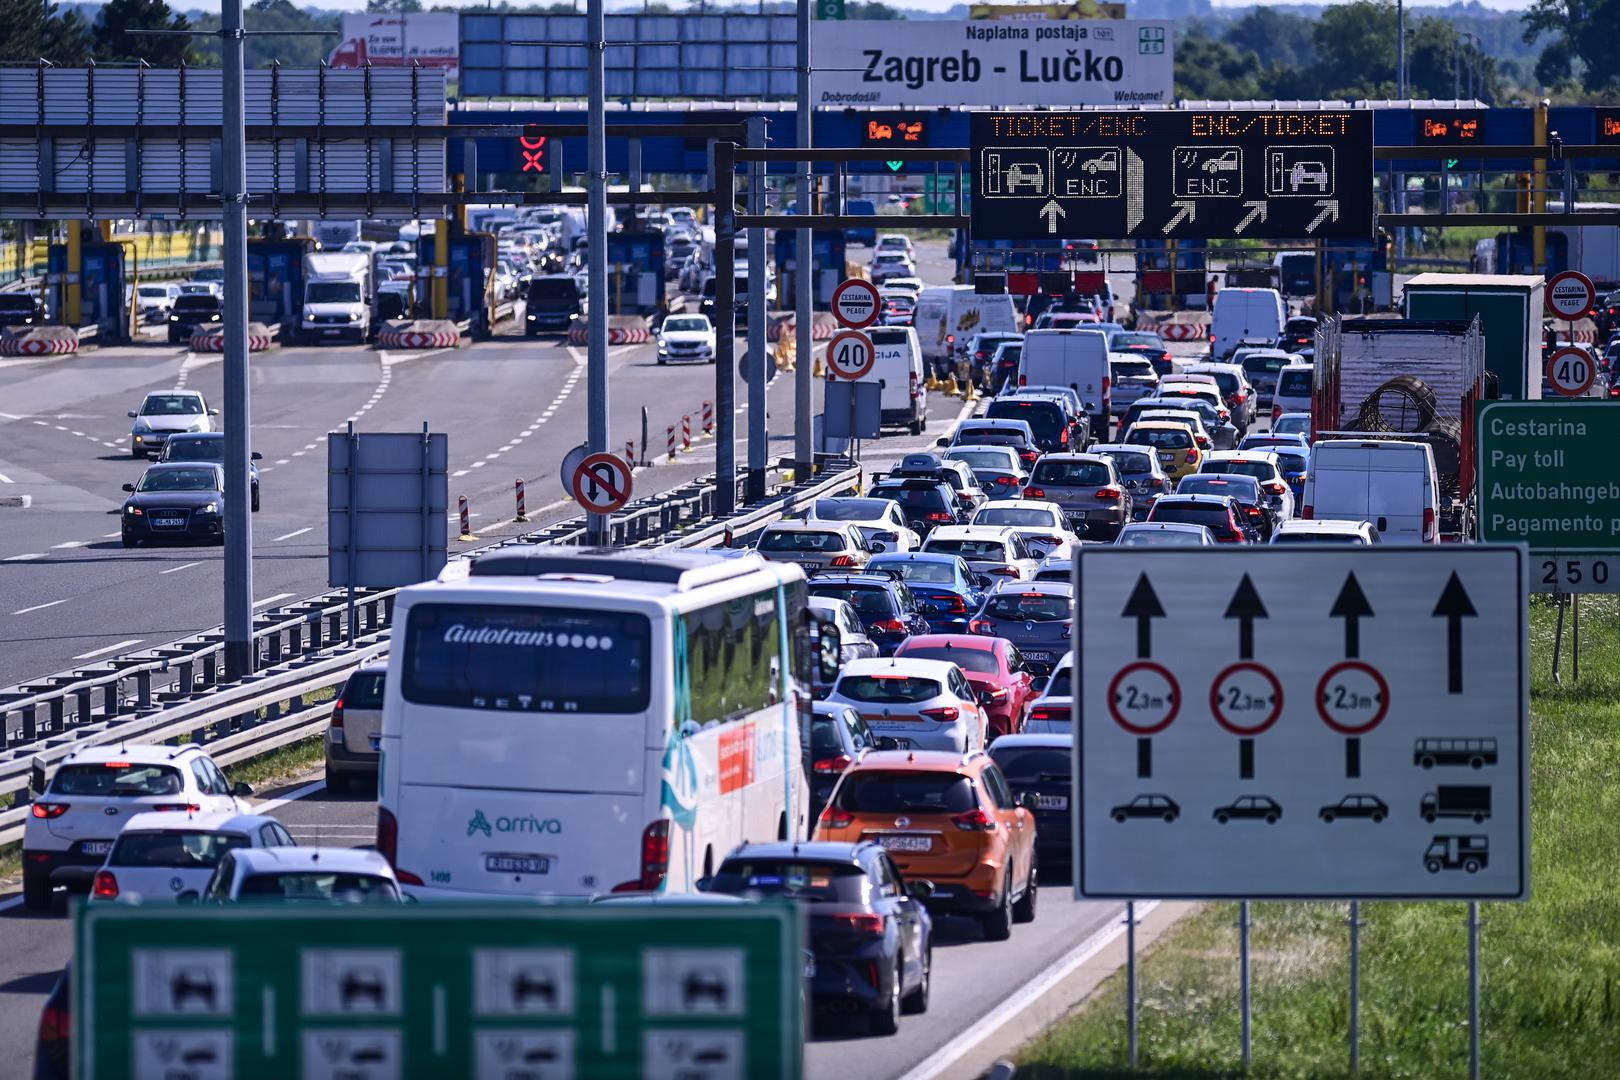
(827, 264)
(275, 272)
(101, 281)
(635, 272)
(471, 280)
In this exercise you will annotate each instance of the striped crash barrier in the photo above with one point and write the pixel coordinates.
(1183, 331)
(40, 341)
(419, 334)
(821, 329)
(617, 335)
(259, 339)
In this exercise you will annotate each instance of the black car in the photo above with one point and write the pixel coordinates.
(925, 503)
(208, 446)
(1042, 765)
(838, 736)
(883, 602)
(552, 304)
(1219, 513)
(1033, 615)
(1254, 517)
(1298, 333)
(869, 932)
(53, 1039)
(192, 312)
(1055, 429)
(175, 501)
(1249, 808)
(20, 309)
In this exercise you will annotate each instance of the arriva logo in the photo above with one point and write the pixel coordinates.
(526, 824)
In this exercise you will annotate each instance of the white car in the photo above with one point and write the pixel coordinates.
(1327, 532)
(894, 242)
(686, 337)
(321, 875)
(164, 413)
(891, 264)
(154, 301)
(912, 285)
(74, 823)
(1042, 524)
(988, 549)
(1265, 467)
(1164, 534)
(158, 856)
(880, 521)
(1053, 712)
(921, 704)
(821, 545)
(998, 470)
(1294, 423)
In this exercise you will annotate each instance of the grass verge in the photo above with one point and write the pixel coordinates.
(1550, 968)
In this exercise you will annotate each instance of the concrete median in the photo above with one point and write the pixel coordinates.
(260, 338)
(419, 334)
(39, 341)
(622, 330)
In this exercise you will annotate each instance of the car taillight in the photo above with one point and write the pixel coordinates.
(337, 715)
(55, 1025)
(950, 339)
(1046, 713)
(945, 715)
(1308, 512)
(834, 818)
(1254, 511)
(1003, 571)
(106, 886)
(1276, 413)
(1276, 487)
(974, 821)
(178, 807)
(916, 392)
(1035, 493)
(50, 809)
(1063, 436)
(1428, 523)
(939, 515)
(835, 764)
(1107, 493)
(856, 922)
(388, 845)
(981, 626)
(893, 626)
(654, 859)
(842, 560)
(954, 606)
(1023, 380)
(1238, 399)
(1029, 457)
(1004, 481)
(965, 498)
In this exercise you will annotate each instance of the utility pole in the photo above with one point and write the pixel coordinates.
(240, 656)
(1400, 49)
(804, 268)
(596, 381)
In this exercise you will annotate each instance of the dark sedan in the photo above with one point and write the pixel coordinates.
(194, 312)
(208, 446)
(1033, 615)
(20, 309)
(884, 604)
(1042, 765)
(175, 501)
(946, 589)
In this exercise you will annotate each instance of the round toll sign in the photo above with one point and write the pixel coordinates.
(850, 355)
(1144, 698)
(1570, 295)
(602, 483)
(1246, 699)
(1352, 698)
(1570, 371)
(855, 303)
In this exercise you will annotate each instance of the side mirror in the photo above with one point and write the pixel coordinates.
(188, 897)
(827, 655)
(937, 442)
(877, 547)
(1028, 801)
(887, 742)
(241, 790)
(704, 884)
(129, 487)
(986, 698)
(213, 412)
(921, 889)
(256, 456)
(131, 415)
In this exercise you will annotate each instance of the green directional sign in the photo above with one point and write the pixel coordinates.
(1546, 478)
(503, 992)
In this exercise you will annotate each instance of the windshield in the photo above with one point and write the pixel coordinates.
(1300, 424)
(178, 850)
(196, 305)
(988, 460)
(1028, 607)
(1015, 515)
(887, 689)
(320, 888)
(1260, 470)
(917, 498)
(194, 450)
(1045, 419)
(1218, 518)
(1217, 484)
(1294, 383)
(1136, 369)
(1291, 458)
(968, 549)
(172, 405)
(527, 659)
(1071, 473)
(980, 660)
(916, 570)
(1162, 438)
(157, 292)
(849, 509)
(116, 780)
(1316, 538)
(833, 883)
(1129, 341)
(874, 792)
(553, 289)
(683, 324)
(364, 691)
(332, 292)
(869, 601)
(1031, 764)
(1132, 464)
(1261, 364)
(179, 480)
(802, 541)
(1158, 538)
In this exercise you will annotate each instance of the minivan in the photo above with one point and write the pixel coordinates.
(897, 368)
(552, 304)
(1256, 316)
(1387, 482)
(1074, 358)
(1293, 391)
(948, 316)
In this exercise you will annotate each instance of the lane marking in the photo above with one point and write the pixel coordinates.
(8, 416)
(70, 544)
(177, 569)
(4, 479)
(24, 558)
(39, 607)
(273, 599)
(111, 535)
(289, 536)
(108, 649)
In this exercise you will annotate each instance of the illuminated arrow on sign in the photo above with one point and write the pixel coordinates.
(1330, 208)
(1257, 209)
(1051, 212)
(1186, 210)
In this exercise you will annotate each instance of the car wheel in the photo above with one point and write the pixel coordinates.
(1024, 910)
(660, 361)
(1472, 866)
(1327, 817)
(1119, 816)
(130, 541)
(998, 924)
(37, 891)
(1222, 818)
(1429, 818)
(1432, 865)
(1271, 819)
(1377, 817)
(886, 1018)
(136, 451)
(916, 1002)
(915, 427)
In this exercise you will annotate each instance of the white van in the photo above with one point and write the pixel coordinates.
(1387, 482)
(1077, 359)
(898, 369)
(949, 315)
(1256, 316)
(1293, 392)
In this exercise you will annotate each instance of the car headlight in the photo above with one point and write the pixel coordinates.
(354, 316)
(211, 508)
(308, 313)
(174, 318)
(133, 511)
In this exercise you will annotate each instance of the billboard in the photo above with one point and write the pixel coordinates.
(1014, 64)
(428, 38)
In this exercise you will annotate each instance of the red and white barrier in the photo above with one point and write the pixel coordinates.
(259, 339)
(708, 418)
(820, 329)
(669, 434)
(522, 510)
(419, 334)
(617, 335)
(40, 341)
(630, 452)
(686, 434)
(466, 519)
(1180, 331)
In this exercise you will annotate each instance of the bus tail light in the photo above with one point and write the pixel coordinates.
(654, 859)
(388, 845)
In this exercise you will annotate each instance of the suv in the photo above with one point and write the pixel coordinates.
(1054, 427)
(1235, 390)
(1087, 487)
(815, 546)
(351, 735)
(883, 602)
(925, 503)
(957, 474)
(1219, 513)
(1140, 473)
(73, 825)
(949, 818)
(1014, 433)
(191, 312)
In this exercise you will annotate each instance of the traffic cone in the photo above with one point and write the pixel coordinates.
(931, 382)
(972, 388)
(950, 385)
(819, 371)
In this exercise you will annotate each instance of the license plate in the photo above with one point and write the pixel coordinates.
(168, 523)
(333, 330)
(1037, 655)
(1167, 458)
(906, 843)
(376, 742)
(1051, 802)
(517, 864)
(96, 847)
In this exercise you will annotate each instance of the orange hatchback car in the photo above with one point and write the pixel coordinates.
(951, 819)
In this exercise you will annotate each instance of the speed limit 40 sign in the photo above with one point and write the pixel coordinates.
(1571, 371)
(850, 355)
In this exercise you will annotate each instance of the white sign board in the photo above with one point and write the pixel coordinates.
(1289, 723)
(431, 39)
(1114, 62)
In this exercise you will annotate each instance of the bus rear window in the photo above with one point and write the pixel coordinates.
(527, 659)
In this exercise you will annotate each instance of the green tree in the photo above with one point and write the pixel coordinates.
(1582, 29)
(394, 5)
(35, 29)
(112, 42)
(1355, 49)
(1212, 70)
(1284, 40)
(292, 50)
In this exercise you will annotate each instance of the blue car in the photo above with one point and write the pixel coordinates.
(948, 592)
(884, 604)
(1293, 462)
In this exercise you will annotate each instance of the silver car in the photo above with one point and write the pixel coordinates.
(820, 545)
(164, 413)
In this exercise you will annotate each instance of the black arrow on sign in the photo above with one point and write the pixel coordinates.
(1143, 606)
(1352, 607)
(1246, 606)
(1454, 606)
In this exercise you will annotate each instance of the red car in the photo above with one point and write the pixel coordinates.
(992, 665)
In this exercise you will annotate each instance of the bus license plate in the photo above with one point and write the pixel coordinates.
(1051, 802)
(517, 864)
(906, 843)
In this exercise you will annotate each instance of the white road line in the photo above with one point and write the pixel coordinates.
(70, 544)
(8, 416)
(941, 1061)
(4, 479)
(177, 569)
(111, 535)
(39, 607)
(461, 472)
(282, 461)
(42, 423)
(24, 558)
(289, 536)
(273, 599)
(108, 649)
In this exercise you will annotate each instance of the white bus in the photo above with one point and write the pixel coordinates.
(569, 723)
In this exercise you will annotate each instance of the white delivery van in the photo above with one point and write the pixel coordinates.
(1390, 483)
(1077, 359)
(1293, 392)
(897, 367)
(948, 316)
(1255, 316)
